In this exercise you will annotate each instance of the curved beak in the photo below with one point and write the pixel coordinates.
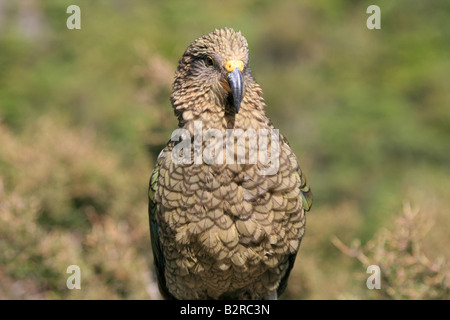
(235, 81)
(237, 88)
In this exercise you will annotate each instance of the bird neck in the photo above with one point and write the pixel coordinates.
(216, 112)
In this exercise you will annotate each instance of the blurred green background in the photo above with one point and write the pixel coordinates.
(84, 114)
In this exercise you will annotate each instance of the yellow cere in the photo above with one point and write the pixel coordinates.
(230, 65)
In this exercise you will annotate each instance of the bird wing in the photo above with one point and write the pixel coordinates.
(158, 257)
(307, 199)
(306, 194)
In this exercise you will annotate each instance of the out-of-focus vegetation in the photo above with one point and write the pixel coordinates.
(407, 272)
(84, 114)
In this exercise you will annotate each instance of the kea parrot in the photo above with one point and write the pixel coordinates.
(229, 228)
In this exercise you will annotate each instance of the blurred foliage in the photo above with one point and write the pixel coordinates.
(405, 270)
(84, 114)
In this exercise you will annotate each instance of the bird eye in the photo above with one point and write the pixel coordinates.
(209, 61)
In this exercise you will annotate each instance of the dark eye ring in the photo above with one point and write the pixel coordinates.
(209, 61)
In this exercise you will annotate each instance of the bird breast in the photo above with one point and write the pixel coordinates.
(228, 220)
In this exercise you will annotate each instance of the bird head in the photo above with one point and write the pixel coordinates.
(213, 69)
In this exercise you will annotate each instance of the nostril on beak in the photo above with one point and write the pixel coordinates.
(230, 65)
